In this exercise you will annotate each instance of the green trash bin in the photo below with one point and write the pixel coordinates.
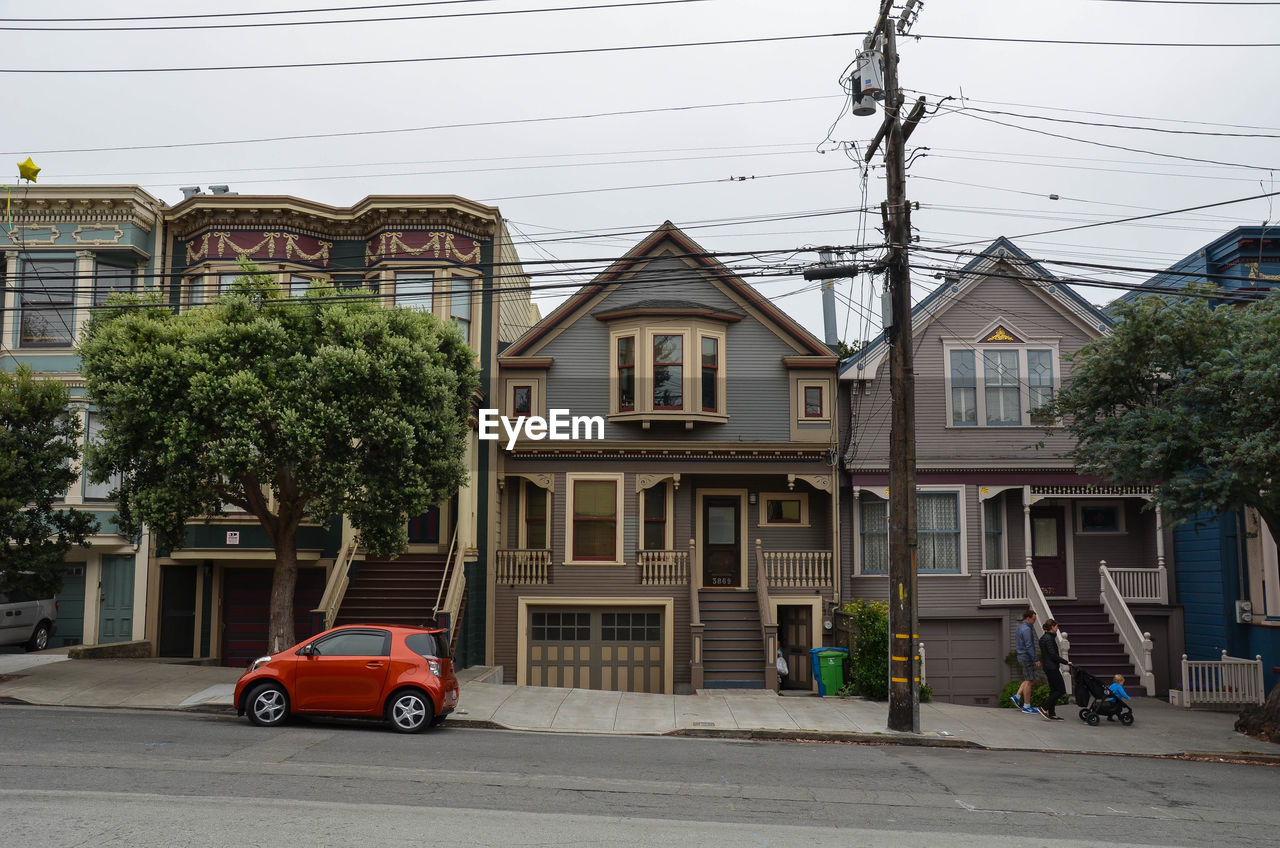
(830, 669)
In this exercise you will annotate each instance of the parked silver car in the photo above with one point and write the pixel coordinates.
(26, 621)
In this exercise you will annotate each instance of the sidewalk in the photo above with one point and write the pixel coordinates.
(1160, 729)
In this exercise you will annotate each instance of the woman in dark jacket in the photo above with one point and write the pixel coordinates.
(1050, 660)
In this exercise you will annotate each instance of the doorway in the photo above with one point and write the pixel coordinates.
(721, 542)
(795, 637)
(1049, 549)
(177, 611)
(115, 601)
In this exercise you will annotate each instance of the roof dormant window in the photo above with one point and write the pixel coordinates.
(1000, 385)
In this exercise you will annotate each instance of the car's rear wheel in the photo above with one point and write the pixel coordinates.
(268, 705)
(410, 710)
(39, 638)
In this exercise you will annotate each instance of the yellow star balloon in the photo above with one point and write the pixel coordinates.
(27, 170)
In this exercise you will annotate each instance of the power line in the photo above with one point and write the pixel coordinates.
(253, 14)
(389, 19)
(431, 128)
(1092, 43)
(525, 54)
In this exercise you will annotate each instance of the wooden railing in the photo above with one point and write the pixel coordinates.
(1019, 586)
(799, 569)
(335, 588)
(768, 627)
(1142, 585)
(453, 584)
(1228, 681)
(696, 627)
(523, 567)
(663, 568)
(1136, 643)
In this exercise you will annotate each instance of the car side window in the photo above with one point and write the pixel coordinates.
(430, 645)
(354, 643)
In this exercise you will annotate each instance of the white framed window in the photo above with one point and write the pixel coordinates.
(298, 286)
(47, 303)
(939, 532)
(460, 305)
(813, 401)
(593, 519)
(1263, 560)
(415, 291)
(666, 370)
(656, 516)
(112, 279)
(1000, 386)
(1100, 517)
(784, 509)
(993, 533)
(93, 436)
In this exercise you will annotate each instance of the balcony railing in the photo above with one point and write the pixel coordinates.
(1142, 585)
(525, 567)
(799, 569)
(663, 568)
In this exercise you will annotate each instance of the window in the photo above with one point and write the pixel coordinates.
(710, 373)
(938, 541)
(354, 643)
(1100, 517)
(1015, 381)
(594, 514)
(225, 281)
(993, 532)
(427, 644)
(535, 516)
(656, 535)
(626, 373)
(48, 303)
(521, 401)
(109, 280)
(413, 291)
(298, 286)
(97, 491)
(194, 287)
(630, 627)
(560, 626)
(813, 405)
(460, 306)
(668, 372)
(784, 510)
(424, 528)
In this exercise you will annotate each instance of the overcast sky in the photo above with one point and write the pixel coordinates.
(531, 134)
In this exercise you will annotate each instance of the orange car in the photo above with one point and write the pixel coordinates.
(401, 673)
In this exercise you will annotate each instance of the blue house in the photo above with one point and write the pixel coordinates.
(1226, 564)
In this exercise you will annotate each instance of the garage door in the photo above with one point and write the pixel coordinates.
(963, 660)
(617, 649)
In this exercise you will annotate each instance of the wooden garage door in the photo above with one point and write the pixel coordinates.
(963, 660)
(616, 649)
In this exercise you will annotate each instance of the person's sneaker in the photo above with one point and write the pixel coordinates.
(1046, 716)
(1017, 702)
(1056, 718)
(1031, 711)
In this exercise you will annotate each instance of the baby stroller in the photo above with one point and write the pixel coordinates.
(1096, 702)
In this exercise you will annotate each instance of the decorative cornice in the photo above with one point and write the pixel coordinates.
(811, 361)
(709, 454)
(540, 363)
(641, 311)
(89, 205)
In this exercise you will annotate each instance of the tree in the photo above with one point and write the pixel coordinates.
(39, 445)
(1184, 396)
(287, 409)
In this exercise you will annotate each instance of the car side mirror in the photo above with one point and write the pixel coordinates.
(307, 650)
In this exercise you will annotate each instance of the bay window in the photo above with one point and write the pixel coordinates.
(47, 305)
(668, 372)
(1000, 386)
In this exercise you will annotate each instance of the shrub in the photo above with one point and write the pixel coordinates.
(1039, 694)
(868, 650)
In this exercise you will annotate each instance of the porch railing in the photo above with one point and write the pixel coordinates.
(1142, 585)
(1019, 586)
(1136, 643)
(452, 587)
(1229, 681)
(524, 567)
(335, 588)
(799, 569)
(663, 568)
(696, 627)
(768, 627)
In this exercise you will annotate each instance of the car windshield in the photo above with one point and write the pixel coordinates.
(431, 645)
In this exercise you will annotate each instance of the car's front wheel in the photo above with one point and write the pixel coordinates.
(39, 638)
(268, 705)
(410, 711)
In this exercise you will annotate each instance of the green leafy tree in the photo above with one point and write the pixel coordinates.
(1184, 397)
(39, 444)
(286, 409)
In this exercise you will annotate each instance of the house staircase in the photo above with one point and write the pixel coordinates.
(399, 590)
(732, 645)
(1095, 645)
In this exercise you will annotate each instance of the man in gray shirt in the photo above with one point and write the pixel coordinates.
(1025, 643)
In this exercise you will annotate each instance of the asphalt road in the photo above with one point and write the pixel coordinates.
(129, 778)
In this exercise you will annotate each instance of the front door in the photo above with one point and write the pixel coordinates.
(115, 600)
(795, 637)
(177, 611)
(721, 542)
(1049, 549)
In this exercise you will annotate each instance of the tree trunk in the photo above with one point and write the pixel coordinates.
(1262, 721)
(280, 633)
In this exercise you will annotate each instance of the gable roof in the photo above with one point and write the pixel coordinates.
(865, 363)
(668, 240)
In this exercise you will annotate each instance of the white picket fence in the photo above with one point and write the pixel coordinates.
(1228, 681)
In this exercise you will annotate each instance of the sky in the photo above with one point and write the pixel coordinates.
(742, 135)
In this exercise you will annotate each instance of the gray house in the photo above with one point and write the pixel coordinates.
(683, 531)
(1004, 521)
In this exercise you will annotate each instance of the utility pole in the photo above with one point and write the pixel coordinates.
(904, 678)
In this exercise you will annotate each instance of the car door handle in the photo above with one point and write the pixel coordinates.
(373, 664)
